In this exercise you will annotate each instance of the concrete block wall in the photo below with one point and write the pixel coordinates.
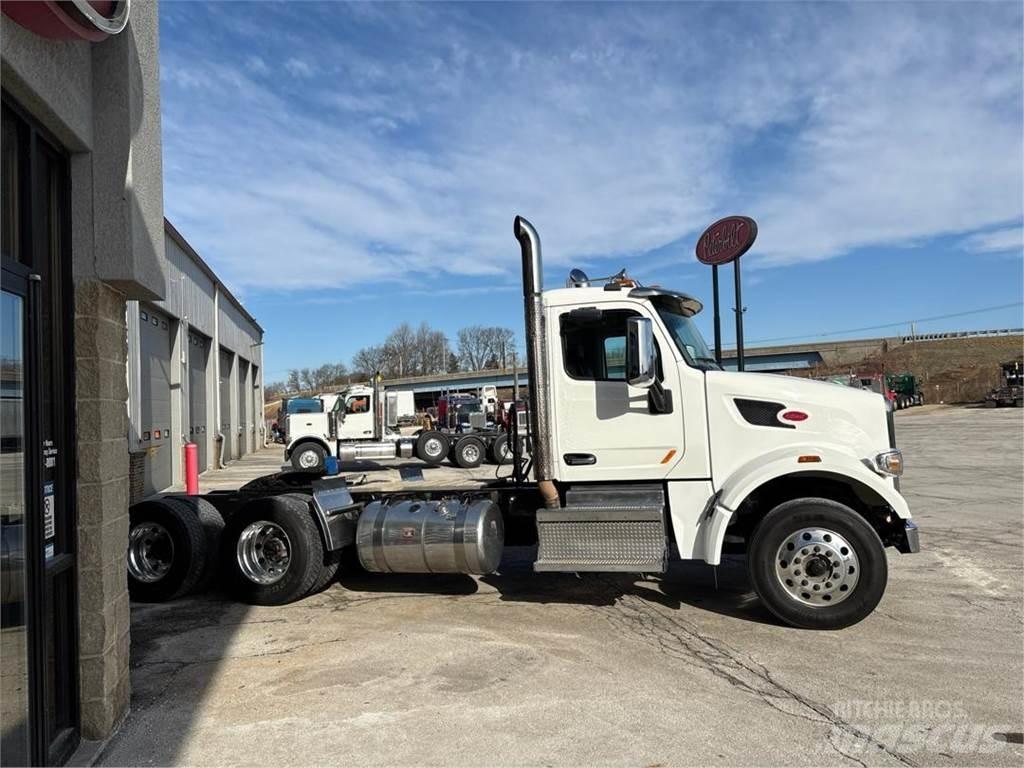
(101, 395)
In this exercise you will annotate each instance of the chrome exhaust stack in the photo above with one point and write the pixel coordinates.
(537, 360)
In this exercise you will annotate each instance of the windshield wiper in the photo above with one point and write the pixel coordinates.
(705, 360)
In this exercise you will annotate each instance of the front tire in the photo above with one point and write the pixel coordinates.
(309, 457)
(272, 551)
(817, 564)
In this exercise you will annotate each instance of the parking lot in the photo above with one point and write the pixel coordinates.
(523, 668)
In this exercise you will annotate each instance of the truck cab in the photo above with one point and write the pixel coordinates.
(347, 416)
(636, 428)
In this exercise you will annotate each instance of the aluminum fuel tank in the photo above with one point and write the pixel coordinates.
(448, 536)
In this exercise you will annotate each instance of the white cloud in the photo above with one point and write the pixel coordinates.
(837, 128)
(1008, 240)
(298, 67)
(257, 64)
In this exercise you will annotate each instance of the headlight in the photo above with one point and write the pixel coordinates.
(890, 463)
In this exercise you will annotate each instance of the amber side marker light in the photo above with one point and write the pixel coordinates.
(668, 456)
(808, 460)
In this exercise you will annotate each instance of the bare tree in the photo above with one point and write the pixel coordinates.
(369, 360)
(401, 351)
(294, 385)
(306, 376)
(485, 346)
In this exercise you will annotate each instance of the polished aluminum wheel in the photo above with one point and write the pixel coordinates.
(150, 552)
(471, 453)
(308, 459)
(817, 567)
(433, 448)
(264, 552)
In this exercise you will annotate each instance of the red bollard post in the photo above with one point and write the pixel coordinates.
(191, 469)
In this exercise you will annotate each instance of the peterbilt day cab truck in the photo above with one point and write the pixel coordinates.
(630, 466)
(349, 426)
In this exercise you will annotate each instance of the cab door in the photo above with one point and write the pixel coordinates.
(605, 428)
(358, 424)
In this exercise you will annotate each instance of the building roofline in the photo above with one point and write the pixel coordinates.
(178, 238)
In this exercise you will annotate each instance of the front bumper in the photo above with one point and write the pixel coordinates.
(911, 541)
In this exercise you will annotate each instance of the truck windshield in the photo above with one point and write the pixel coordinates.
(686, 336)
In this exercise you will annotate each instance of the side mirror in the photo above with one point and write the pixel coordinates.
(641, 354)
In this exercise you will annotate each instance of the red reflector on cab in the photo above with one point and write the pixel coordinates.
(794, 416)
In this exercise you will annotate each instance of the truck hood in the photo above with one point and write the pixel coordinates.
(853, 420)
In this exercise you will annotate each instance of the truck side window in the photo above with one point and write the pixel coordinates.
(594, 344)
(358, 405)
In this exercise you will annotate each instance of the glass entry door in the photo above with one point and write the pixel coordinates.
(14, 672)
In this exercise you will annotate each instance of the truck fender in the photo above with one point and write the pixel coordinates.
(749, 477)
(306, 439)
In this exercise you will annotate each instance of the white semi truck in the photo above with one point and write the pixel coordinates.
(357, 422)
(631, 466)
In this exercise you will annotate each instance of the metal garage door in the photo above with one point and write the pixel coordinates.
(226, 359)
(198, 354)
(243, 407)
(155, 398)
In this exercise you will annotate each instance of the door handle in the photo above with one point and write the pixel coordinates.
(580, 459)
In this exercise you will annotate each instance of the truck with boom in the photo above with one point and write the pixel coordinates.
(630, 466)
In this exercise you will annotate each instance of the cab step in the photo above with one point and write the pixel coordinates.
(605, 528)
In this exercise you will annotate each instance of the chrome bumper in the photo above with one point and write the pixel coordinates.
(911, 540)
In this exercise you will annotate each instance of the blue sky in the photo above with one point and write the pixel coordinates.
(348, 167)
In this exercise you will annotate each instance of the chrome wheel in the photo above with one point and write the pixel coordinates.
(471, 453)
(433, 447)
(309, 459)
(264, 552)
(150, 552)
(817, 567)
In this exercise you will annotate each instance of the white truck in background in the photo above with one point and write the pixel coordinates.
(311, 437)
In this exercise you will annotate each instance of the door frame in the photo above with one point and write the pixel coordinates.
(40, 572)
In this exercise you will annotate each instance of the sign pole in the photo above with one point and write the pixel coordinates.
(739, 317)
(718, 320)
(724, 241)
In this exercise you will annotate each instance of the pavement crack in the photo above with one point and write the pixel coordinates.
(683, 643)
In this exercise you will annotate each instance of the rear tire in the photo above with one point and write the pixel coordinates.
(332, 560)
(500, 451)
(834, 581)
(432, 447)
(469, 452)
(167, 551)
(213, 527)
(309, 457)
(272, 551)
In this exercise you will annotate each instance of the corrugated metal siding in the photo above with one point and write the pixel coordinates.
(190, 298)
(237, 333)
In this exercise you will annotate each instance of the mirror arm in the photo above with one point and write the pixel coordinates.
(659, 399)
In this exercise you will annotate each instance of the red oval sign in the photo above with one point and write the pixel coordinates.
(91, 20)
(726, 240)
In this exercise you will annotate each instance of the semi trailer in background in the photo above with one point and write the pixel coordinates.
(629, 466)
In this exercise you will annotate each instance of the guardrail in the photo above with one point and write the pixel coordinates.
(961, 335)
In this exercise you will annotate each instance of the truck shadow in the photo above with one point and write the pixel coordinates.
(685, 584)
